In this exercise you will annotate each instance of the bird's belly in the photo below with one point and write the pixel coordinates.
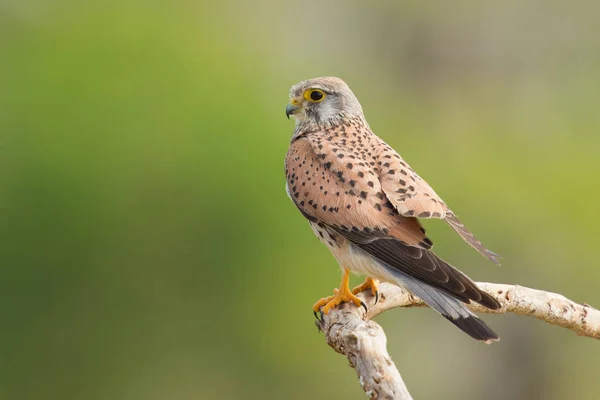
(349, 256)
(362, 263)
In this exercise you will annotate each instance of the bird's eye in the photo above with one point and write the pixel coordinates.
(314, 95)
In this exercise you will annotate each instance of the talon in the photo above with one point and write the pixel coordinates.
(321, 303)
(369, 283)
(362, 303)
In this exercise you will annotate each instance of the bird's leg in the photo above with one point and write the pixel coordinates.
(369, 283)
(341, 295)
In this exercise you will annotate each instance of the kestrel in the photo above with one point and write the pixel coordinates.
(363, 201)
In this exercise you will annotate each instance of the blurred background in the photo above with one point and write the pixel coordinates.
(147, 246)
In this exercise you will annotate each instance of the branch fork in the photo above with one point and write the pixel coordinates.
(349, 330)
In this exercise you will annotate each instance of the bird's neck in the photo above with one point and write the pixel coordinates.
(305, 127)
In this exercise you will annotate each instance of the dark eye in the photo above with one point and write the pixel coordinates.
(316, 95)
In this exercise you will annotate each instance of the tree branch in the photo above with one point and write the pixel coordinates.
(350, 331)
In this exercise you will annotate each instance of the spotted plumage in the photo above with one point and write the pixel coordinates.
(363, 201)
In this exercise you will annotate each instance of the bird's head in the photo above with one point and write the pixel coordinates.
(324, 101)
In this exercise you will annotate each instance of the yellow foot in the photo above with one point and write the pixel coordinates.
(343, 296)
(369, 283)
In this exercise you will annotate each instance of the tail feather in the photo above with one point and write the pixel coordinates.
(476, 328)
(449, 307)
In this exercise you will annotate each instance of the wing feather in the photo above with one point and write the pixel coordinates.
(413, 197)
(344, 198)
(428, 268)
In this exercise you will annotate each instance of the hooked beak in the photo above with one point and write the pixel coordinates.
(292, 107)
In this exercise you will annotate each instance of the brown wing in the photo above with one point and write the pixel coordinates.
(413, 197)
(346, 198)
(423, 265)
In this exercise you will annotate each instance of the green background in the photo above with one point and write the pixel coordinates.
(148, 249)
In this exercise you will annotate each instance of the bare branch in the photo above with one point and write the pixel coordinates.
(364, 343)
(350, 331)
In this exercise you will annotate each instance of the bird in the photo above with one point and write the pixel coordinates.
(364, 202)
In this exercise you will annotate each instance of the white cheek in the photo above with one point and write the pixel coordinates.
(299, 117)
(327, 111)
